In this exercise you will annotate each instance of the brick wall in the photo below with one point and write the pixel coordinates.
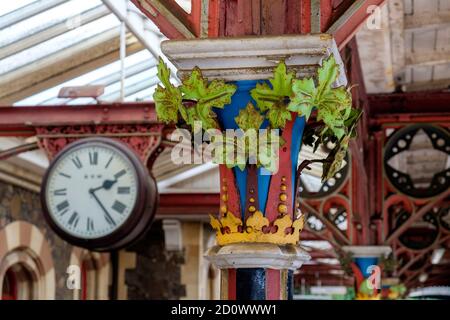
(158, 273)
(20, 204)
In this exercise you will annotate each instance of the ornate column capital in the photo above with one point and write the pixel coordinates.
(259, 222)
(253, 58)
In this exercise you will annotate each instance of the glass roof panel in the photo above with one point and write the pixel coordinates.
(144, 95)
(45, 20)
(58, 43)
(9, 6)
(40, 30)
(97, 77)
(141, 77)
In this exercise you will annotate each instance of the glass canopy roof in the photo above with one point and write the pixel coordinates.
(55, 39)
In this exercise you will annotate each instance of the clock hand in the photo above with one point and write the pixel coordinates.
(108, 216)
(107, 184)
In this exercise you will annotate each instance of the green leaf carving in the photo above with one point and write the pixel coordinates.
(167, 99)
(249, 118)
(272, 99)
(333, 104)
(303, 101)
(336, 157)
(215, 94)
(281, 88)
(278, 115)
(206, 95)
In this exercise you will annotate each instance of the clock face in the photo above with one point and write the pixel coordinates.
(91, 190)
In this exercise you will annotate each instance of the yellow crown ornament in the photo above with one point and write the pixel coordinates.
(257, 229)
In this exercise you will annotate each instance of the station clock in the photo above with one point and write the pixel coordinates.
(97, 194)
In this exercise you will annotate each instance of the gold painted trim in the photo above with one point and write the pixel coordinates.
(224, 284)
(231, 229)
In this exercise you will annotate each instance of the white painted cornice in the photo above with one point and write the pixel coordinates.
(252, 58)
(257, 255)
(368, 251)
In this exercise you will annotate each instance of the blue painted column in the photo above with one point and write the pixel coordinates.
(253, 188)
(367, 270)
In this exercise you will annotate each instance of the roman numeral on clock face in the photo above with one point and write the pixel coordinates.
(108, 163)
(119, 206)
(65, 175)
(62, 206)
(73, 220)
(77, 162)
(119, 174)
(123, 190)
(90, 224)
(60, 192)
(93, 158)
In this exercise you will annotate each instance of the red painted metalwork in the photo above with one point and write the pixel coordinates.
(359, 278)
(399, 120)
(164, 25)
(231, 284)
(213, 18)
(281, 182)
(305, 16)
(84, 280)
(237, 17)
(336, 236)
(409, 103)
(351, 20)
(188, 205)
(264, 17)
(374, 170)
(257, 17)
(143, 139)
(22, 121)
(389, 201)
(273, 284)
(411, 107)
(359, 197)
(326, 11)
(194, 18)
(229, 195)
(417, 215)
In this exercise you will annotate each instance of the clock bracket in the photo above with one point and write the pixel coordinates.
(143, 139)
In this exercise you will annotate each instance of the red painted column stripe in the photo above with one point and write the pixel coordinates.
(273, 284)
(213, 18)
(284, 170)
(196, 16)
(305, 17)
(229, 191)
(231, 284)
(325, 14)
